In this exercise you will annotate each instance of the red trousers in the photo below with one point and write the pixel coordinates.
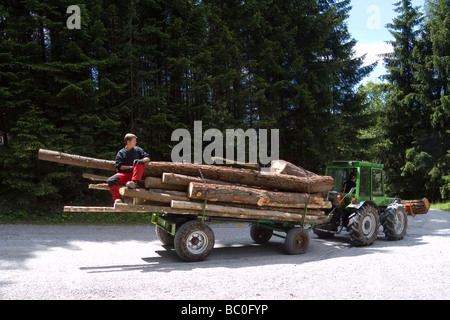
(122, 178)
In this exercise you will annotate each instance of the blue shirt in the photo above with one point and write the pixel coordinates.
(126, 158)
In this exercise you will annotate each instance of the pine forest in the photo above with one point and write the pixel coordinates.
(153, 66)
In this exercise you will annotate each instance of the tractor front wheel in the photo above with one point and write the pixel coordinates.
(395, 222)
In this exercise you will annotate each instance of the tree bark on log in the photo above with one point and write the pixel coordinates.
(75, 160)
(258, 197)
(283, 182)
(157, 183)
(183, 180)
(316, 184)
(285, 167)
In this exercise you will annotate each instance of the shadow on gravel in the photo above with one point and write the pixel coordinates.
(233, 249)
(239, 254)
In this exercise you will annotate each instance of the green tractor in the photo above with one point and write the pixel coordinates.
(360, 206)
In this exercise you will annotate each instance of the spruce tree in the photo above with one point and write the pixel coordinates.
(428, 156)
(402, 115)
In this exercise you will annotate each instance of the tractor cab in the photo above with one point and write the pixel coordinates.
(370, 180)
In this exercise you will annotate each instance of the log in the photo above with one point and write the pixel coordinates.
(95, 177)
(99, 186)
(285, 167)
(421, 206)
(183, 180)
(316, 184)
(258, 197)
(155, 195)
(75, 160)
(157, 183)
(300, 211)
(242, 213)
(283, 182)
(88, 209)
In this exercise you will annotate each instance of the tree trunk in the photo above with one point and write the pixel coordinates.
(66, 158)
(157, 183)
(183, 180)
(284, 182)
(418, 206)
(259, 197)
(281, 166)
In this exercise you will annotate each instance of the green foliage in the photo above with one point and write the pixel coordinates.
(150, 67)
(411, 135)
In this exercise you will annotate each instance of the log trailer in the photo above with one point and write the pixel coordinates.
(289, 200)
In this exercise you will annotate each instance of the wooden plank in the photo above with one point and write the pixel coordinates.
(88, 209)
(156, 195)
(95, 177)
(245, 213)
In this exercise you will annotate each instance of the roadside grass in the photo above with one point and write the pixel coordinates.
(441, 206)
(58, 217)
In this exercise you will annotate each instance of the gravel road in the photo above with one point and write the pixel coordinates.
(128, 262)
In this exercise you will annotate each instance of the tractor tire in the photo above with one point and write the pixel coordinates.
(194, 241)
(166, 238)
(297, 241)
(395, 222)
(364, 224)
(260, 235)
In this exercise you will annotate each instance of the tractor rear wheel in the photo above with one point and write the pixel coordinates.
(395, 222)
(364, 224)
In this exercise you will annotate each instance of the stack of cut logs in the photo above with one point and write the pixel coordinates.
(286, 193)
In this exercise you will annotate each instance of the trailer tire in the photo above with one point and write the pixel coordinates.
(297, 241)
(260, 235)
(166, 238)
(194, 241)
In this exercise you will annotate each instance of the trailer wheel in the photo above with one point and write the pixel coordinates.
(395, 222)
(260, 235)
(297, 241)
(194, 241)
(166, 238)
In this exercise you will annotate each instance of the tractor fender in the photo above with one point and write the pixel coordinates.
(361, 203)
(354, 207)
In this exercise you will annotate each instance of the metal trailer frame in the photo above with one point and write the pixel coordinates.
(193, 243)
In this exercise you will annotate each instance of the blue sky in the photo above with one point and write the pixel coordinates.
(367, 24)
